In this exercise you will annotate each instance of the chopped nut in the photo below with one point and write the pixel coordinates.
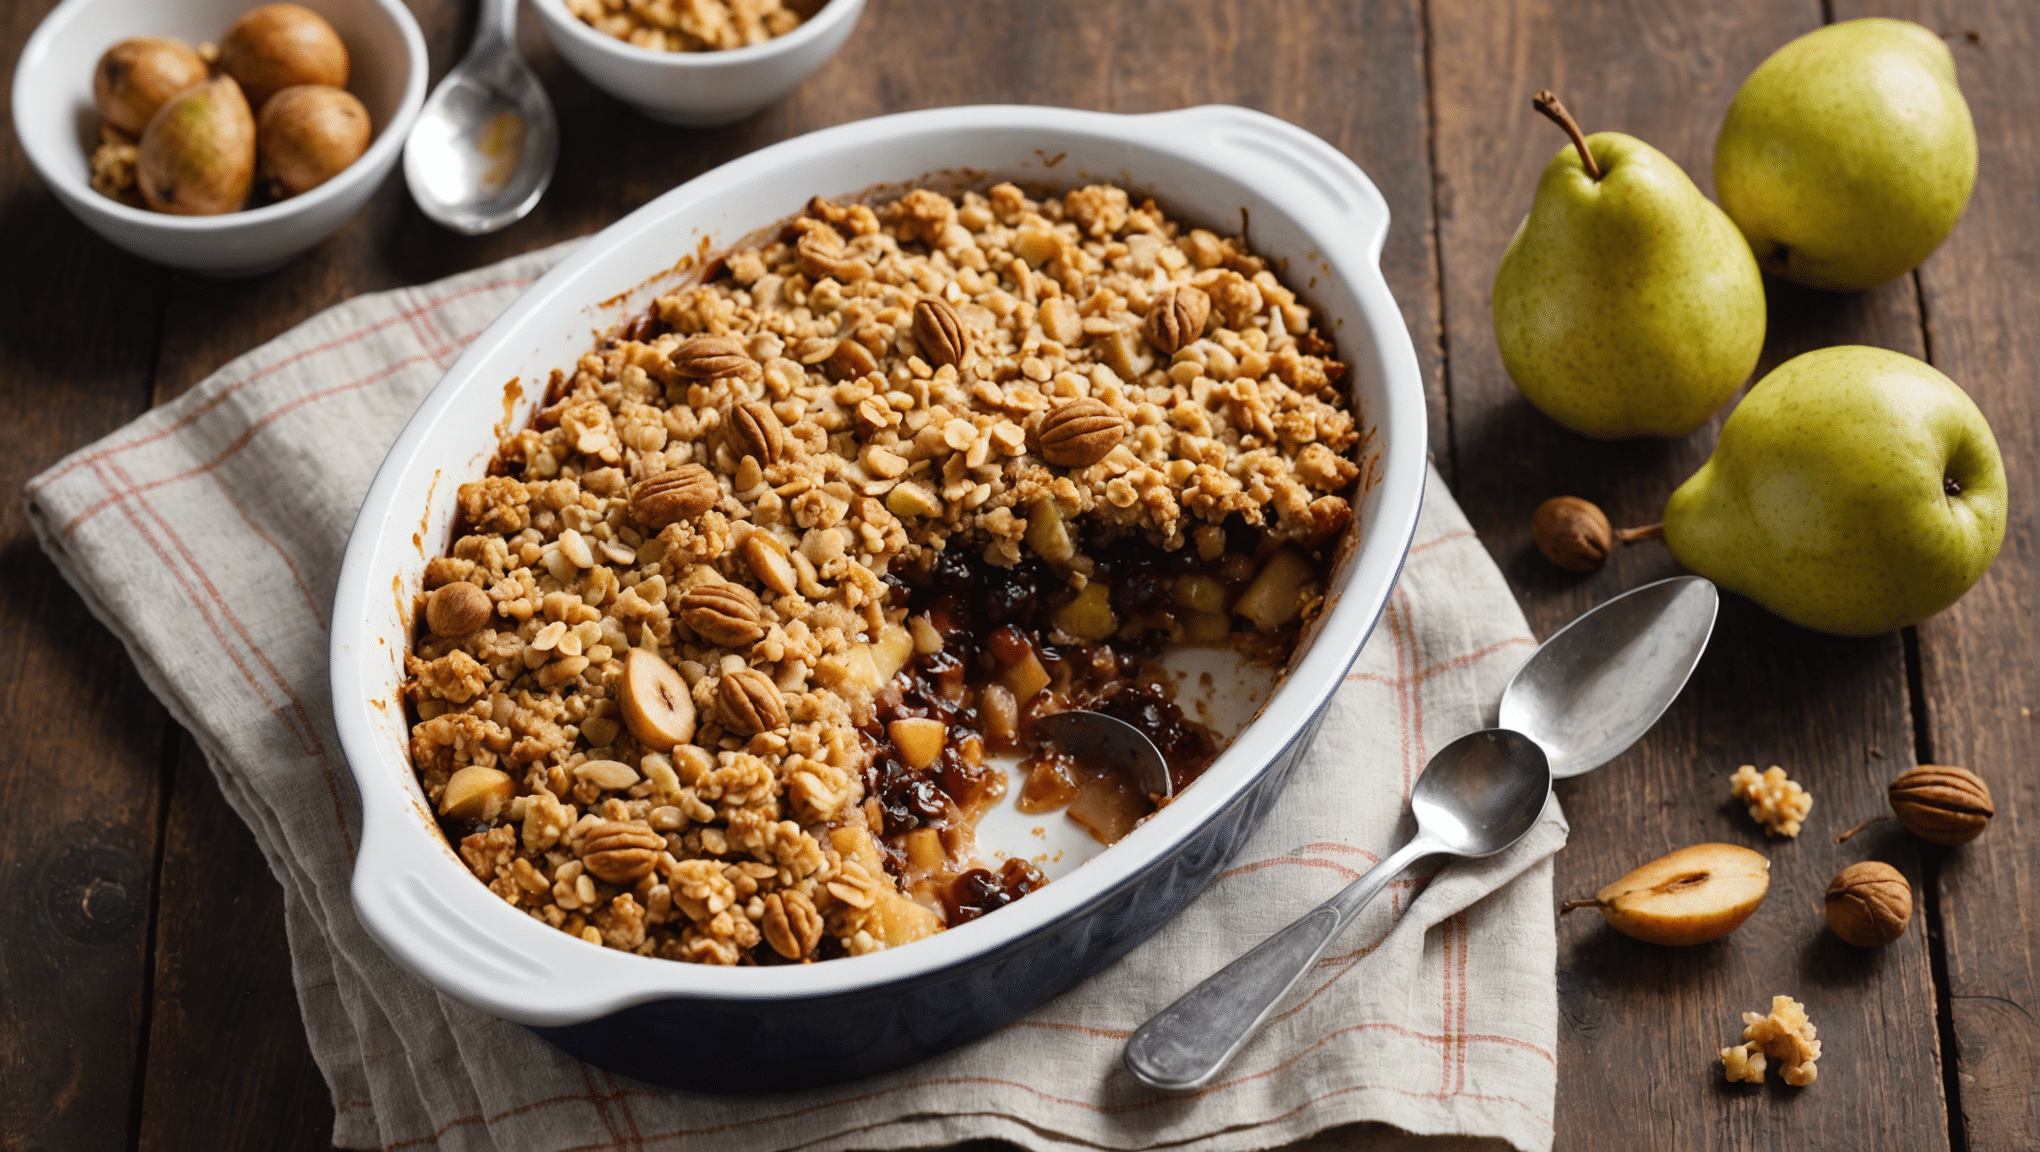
(769, 563)
(1080, 433)
(671, 497)
(477, 793)
(1775, 802)
(710, 357)
(849, 361)
(620, 851)
(791, 924)
(1785, 1035)
(725, 614)
(940, 332)
(759, 432)
(748, 702)
(1177, 318)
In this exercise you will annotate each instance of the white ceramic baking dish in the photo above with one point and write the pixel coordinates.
(1306, 207)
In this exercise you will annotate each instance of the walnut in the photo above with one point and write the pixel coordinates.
(849, 361)
(1944, 804)
(1572, 533)
(1080, 433)
(791, 924)
(457, 609)
(671, 497)
(1775, 802)
(824, 255)
(747, 702)
(724, 614)
(1868, 904)
(759, 433)
(1786, 1035)
(1176, 319)
(713, 357)
(620, 851)
(940, 332)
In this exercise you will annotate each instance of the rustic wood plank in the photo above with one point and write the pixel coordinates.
(228, 1064)
(1980, 660)
(1640, 1025)
(81, 792)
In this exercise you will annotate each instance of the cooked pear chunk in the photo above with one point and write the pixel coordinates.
(656, 703)
(1692, 896)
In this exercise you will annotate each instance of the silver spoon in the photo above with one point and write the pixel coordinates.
(1477, 796)
(1598, 684)
(484, 146)
(1095, 738)
(1582, 698)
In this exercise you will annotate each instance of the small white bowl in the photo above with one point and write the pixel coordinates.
(698, 89)
(58, 126)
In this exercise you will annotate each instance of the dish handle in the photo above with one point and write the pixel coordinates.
(1317, 181)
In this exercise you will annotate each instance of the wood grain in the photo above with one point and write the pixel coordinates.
(1640, 1025)
(1980, 660)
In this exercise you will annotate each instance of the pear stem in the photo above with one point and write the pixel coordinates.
(1546, 102)
(1647, 532)
(1859, 828)
(1573, 905)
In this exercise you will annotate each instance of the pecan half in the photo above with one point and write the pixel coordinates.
(1080, 433)
(620, 851)
(1176, 319)
(758, 432)
(748, 702)
(940, 332)
(724, 614)
(670, 497)
(849, 361)
(710, 357)
(791, 924)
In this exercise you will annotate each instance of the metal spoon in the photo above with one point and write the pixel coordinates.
(484, 146)
(1582, 698)
(1095, 738)
(1598, 684)
(1477, 796)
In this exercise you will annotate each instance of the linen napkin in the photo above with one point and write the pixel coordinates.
(208, 534)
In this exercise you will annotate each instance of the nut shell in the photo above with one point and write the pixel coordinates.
(1868, 904)
(1176, 319)
(1941, 803)
(747, 702)
(713, 357)
(1572, 533)
(620, 851)
(727, 615)
(278, 46)
(940, 332)
(1080, 433)
(139, 75)
(197, 156)
(759, 433)
(670, 497)
(457, 609)
(308, 134)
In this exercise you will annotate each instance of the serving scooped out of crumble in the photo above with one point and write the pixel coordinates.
(729, 638)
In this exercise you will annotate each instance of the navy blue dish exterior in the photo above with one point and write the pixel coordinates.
(805, 1043)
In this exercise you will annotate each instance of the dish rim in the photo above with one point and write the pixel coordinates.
(554, 12)
(524, 954)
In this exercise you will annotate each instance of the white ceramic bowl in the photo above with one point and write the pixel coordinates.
(1309, 210)
(698, 89)
(58, 126)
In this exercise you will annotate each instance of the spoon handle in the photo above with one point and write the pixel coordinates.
(1186, 1045)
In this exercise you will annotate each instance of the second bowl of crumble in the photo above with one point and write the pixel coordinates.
(729, 627)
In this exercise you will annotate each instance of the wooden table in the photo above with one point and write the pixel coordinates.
(146, 989)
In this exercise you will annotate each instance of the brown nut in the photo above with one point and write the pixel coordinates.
(748, 702)
(791, 924)
(1572, 533)
(849, 361)
(1868, 904)
(823, 255)
(711, 357)
(759, 433)
(723, 614)
(457, 609)
(307, 134)
(1944, 804)
(197, 156)
(940, 332)
(1176, 319)
(670, 497)
(279, 45)
(138, 76)
(1080, 433)
(620, 851)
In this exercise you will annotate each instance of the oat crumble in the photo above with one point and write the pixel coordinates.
(694, 25)
(695, 680)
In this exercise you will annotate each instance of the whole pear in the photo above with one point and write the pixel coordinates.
(1627, 304)
(1848, 156)
(1854, 490)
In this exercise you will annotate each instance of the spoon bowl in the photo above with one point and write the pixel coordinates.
(1095, 738)
(1598, 684)
(487, 140)
(1481, 793)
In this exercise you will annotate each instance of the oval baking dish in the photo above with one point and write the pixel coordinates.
(1306, 208)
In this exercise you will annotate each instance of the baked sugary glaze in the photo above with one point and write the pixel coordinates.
(726, 635)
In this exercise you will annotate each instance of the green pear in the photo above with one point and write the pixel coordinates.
(1627, 304)
(1849, 155)
(1854, 490)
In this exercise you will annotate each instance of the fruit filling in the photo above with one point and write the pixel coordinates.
(736, 640)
